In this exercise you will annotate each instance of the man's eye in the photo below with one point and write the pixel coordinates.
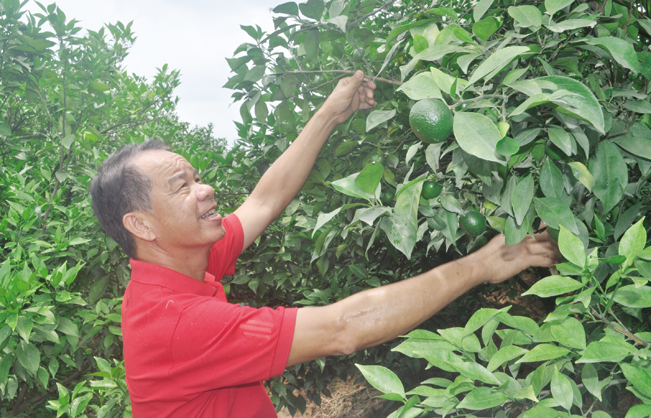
(197, 180)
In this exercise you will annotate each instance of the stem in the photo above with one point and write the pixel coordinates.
(622, 330)
(366, 77)
(628, 18)
(476, 99)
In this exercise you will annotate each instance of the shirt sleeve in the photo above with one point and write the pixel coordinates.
(224, 254)
(223, 345)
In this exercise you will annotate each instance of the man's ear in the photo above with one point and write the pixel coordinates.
(138, 224)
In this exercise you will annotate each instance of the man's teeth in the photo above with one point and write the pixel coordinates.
(210, 214)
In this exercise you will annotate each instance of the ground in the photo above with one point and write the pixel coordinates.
(349, 399)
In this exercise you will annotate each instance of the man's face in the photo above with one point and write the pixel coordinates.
(183, 208)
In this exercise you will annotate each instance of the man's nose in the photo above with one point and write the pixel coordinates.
(204, 191)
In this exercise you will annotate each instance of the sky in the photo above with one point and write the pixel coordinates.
(193, 36)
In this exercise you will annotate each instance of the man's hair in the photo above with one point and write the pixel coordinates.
(119, 188)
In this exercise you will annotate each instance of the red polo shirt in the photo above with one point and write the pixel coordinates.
(190, 353)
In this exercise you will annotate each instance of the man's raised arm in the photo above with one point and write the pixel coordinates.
(286, 176)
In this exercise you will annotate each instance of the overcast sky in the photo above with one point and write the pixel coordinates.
(193, 36)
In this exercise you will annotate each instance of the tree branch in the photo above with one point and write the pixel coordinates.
(622, 330)
(366, 77)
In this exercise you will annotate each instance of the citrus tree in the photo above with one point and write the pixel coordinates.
(66, 103)
(493, 116)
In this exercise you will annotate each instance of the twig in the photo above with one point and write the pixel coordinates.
(628, 18)
(476, 99)
(324, 84)
(384, 6)
(366, 77)
(622, 330)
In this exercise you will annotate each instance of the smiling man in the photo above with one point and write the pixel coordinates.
(190, 353)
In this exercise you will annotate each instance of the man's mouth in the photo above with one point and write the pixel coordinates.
(210, 214)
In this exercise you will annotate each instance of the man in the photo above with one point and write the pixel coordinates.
(188, 352)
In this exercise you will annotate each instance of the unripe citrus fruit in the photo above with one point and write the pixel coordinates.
(386, 197)
(473, 223)
(431, 189)
(431, 120)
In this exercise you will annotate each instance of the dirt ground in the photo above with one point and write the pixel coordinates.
(348, 400)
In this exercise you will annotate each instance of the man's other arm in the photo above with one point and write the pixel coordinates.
(377, 315)
(288, 174)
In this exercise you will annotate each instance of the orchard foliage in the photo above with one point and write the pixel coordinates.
(66, 103)
(552, 119)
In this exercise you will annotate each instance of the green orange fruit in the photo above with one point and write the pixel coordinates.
(386, 197)
(473, 223)
(431, 120)
(431, 189)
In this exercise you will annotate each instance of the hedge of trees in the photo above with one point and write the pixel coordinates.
(571, 80)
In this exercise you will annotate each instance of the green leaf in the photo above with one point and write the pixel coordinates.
(639, 107)
(526, 16)
(324, 218)
(590, 379)
(552, 6)
(543, 352)
(639, 411)
(433, 53)
(582, 174)
(5, 333)
(561, 389)
(569, 332)
(479, 319)
(504, 355)
(5, 365)
(477, 135)
(551, 180)
(633, 241)
(562, 139)
(402, 227)
(611, 175)
(571, 247)
(571, 24)
(483, 29)
(28, 356)
(602, 351)
(480, 9)
(507, 146)
(640, 147)
(348, 187)
(496, 62)
(378, 117)
(639, 377)
(462, 35)
(633, 297)
(312, 9)
(482, 398)
(382, 379)
(553, 286)
(577, 99)
(369, 178)
(522, 198)
(421, 86)
(555, 212)
(420, 43)
(67, 141)
(24, 327)
(622, 51)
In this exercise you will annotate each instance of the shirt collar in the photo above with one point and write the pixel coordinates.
(147, 273)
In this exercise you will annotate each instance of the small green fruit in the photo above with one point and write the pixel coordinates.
(473, 223)
(431, 120)
(431, 189)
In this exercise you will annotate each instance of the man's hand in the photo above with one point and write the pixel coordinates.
(351, 94)
(505, 261)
